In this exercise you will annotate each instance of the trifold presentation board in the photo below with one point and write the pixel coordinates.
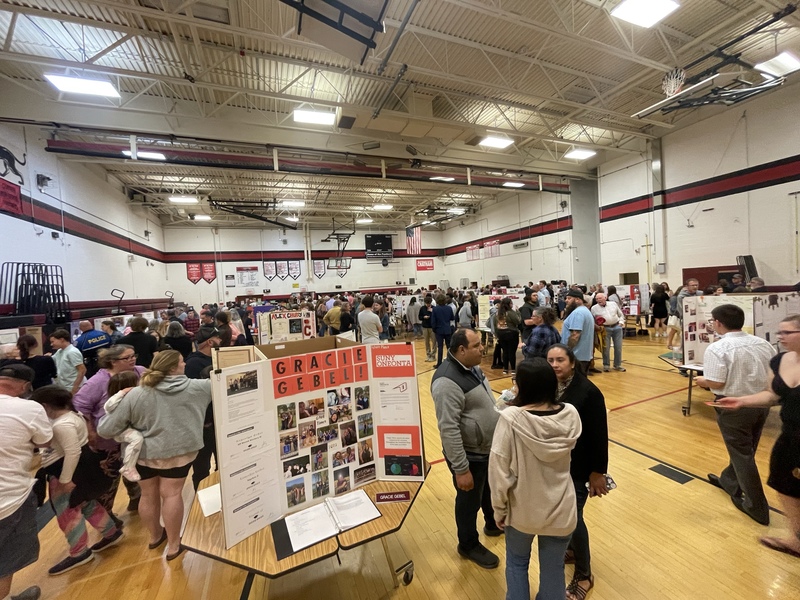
(486, 301)
(286, 326)
(300, 422)
(635, 299)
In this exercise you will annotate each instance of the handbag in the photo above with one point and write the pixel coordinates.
(674, 322)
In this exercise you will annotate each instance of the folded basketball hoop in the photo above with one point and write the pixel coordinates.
(673, 81)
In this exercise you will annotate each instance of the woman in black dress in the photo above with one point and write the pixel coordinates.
(783, 388)
(659, 308)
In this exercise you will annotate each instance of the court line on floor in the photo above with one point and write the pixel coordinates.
(683, 389)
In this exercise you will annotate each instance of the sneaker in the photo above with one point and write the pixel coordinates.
(32, 593)
(606, 369)
(71, 562)
(109, 541)
(481, 556)
(493, 531)
(620, 369)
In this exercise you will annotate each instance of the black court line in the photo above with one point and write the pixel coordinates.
(684, 471)
(671, 473)
(675, 369)
(248, 584)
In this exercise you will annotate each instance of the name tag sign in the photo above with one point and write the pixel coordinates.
(393, 497)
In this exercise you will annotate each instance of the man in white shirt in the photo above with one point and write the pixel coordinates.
(614, 322)
(369, 322)
(738, 365)
(23, 426)
(69, 361)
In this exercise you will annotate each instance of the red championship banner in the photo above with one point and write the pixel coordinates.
(424, 264)
(10, 199)
(209, 271)
(194, 272)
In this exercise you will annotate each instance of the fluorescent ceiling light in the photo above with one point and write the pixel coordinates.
(80, 85)
(146, 155)
(580, 153)
(293, 219)
(202, 218)
(363, 221)
(293, 204)
(314, 117)
(443, 178)
(644, 13)
(514, 184)
(426, 222)
(456, 211)
(383, 207)
(183, 199)
(781, 65)
(493, 141)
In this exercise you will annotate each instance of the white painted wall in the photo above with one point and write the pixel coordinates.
(91, 270)
(712, 232)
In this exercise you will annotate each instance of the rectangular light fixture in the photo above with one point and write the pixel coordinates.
(494, 141)
(781, 65)
(363, 221)
(81, 85)
(202, 217)
(580, 153)
(456, 211)
(292, 204)
(293, 219)
(146, 155)
(314, 117)
(644, 13)
(514, 184)
(183, 199)
(382, 207)
(443, 178)
(426, 222)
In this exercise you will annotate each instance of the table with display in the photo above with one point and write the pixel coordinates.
(257, 555)
(692, 370)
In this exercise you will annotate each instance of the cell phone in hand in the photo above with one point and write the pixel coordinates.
(610, 483)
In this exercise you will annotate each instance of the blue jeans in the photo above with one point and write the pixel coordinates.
(418, 329)
(615, 334)
(551, 565)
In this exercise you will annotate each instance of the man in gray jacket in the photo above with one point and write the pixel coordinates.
(466, 416)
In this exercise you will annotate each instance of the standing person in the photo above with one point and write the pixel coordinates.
(674, 324)
(526, 314)
(177, 339)
(612, 295)
(383, 315)
(69, 361)
(465, 315)
(659, 306)
(425, 313)
(23, 427)
(192, 322)
(346, 321)
(613, 323)
(144, 345)
(369, 322)
(532, 492)
(90, 401)
(75, 481)
(169, 409)
(577, 332)
(43, 366)
(197, 367)
(333, 317)
(461, 394)
(442, 317)
(110, 329)
(589, 458)
(89, 343)
(738, 365)
(543, 335)
(507, 321)
(222, 322)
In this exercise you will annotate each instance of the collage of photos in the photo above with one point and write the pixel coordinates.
(326, 444)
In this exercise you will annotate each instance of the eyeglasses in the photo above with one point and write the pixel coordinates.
(785, 333)
(131, 357)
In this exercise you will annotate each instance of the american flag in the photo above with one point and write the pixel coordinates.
(414, 240)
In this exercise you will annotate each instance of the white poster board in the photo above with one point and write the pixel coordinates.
(293, 431)
(770, 309)
(635, 299)
(698, 324)
(486, 301)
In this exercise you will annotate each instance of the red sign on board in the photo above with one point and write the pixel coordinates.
(424, 264)
(209, 271)
(10, 199)
(194, 272)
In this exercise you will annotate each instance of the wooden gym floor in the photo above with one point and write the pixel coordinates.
(652, 538)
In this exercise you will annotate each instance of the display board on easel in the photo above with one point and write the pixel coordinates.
(300, 422)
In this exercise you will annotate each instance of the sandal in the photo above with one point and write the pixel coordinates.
(778, 546)
(160, 541)
(576, 592)
(569, 557)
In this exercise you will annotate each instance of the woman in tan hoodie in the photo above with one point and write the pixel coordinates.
(532, 491)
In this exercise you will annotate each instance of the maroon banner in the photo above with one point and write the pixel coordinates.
(10, 199)
(194, 272)
(209, 271)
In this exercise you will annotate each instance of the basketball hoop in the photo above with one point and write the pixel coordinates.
(673, 81)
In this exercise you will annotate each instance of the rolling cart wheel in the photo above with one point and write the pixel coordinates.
(408, 576)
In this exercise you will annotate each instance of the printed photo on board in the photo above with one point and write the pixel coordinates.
(342, 479)
(364, 474)
(362, 398)
(403, 465)
(320, 484)
(295, 492)
(329, 433)
(347, 432)
(288, 444)
(296, 466)
(319, 457)
(242, 382)
(365, 454)
(286, 416)
(308, 434)
(365, 428)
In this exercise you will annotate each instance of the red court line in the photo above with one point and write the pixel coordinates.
(437, 461)
(648, 399)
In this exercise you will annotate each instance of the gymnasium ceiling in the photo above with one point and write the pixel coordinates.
(213, 85)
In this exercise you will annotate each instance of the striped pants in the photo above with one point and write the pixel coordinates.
(72, 521)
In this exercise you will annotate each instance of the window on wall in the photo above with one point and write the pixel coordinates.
(629, 278)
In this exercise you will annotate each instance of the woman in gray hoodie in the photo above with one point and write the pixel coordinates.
(532, 491)
(169, 410)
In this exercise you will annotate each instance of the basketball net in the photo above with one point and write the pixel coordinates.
(673, 81)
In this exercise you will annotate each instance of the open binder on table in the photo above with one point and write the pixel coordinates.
(322, 521)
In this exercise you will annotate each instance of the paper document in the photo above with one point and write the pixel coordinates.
(352, 509)
(210, 500)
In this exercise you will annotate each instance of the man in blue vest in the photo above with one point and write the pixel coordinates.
(89, 343)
